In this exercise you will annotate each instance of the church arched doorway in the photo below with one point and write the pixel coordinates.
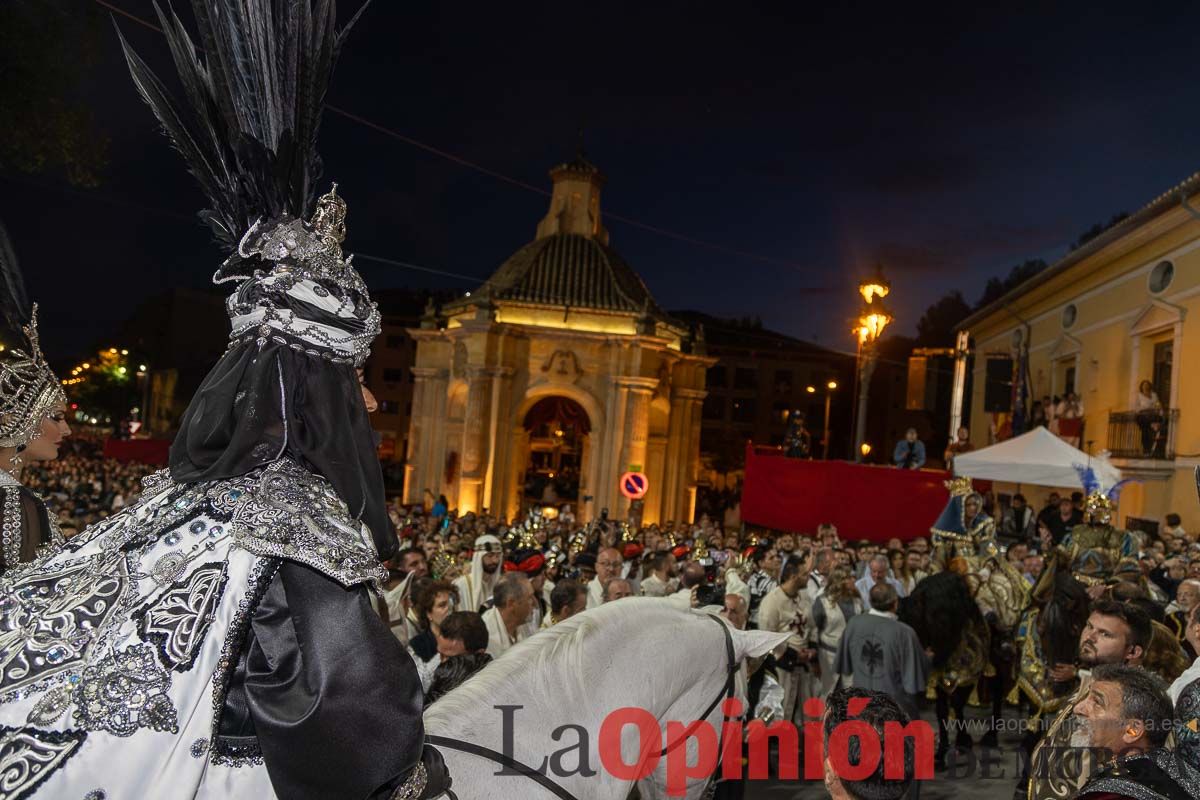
(558, 429)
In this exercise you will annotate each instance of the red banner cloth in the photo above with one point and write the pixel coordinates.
(863, 501)
(145, 451)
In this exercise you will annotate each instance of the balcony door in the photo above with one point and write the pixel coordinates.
(1164, 357)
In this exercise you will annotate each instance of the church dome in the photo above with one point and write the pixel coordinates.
(572, 270)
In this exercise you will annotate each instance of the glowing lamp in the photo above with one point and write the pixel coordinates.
(811, 389)
(866, 449)
(831, 385)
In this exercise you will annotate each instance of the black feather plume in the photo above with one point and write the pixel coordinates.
(15, 309)
(253, 93)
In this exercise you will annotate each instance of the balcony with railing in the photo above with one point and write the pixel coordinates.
(1143, 435)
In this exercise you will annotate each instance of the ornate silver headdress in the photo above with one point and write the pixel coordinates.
(248, 135)
(311, 299)
(28, 389)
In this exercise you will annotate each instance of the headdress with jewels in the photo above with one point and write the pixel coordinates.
(246, 124)
(249, 137)
(1101, 489)
(952, 525)
(28, 387)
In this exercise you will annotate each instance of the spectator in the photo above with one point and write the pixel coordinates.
(1019, 521)
(453, 672)
(881, 653)
(462, 632)
(961, 444)
(616, 589)
(787, 608)
(877, 572)
(567, 599)
(608, 566)
(877, 713)
(662, 578)
(910, 451)
(505, 620)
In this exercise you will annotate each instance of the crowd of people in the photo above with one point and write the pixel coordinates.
(1011, 616)
(82, 487)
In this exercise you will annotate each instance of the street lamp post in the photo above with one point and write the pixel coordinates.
(830, 386)
(872, 319)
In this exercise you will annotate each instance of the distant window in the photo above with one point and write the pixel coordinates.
(388, 407)
(744, 409)
(710, 440)
(714, 407)
(394, 375)
(745, 378)
(1161, 276)
(1068, 316)
(397, 342)
(783, 381)
(717, 377)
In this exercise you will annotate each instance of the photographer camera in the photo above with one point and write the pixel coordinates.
(787, 608)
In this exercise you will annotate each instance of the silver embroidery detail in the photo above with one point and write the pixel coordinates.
(125, 691)
(297, 515)
(29, 756)
(199, 748)
(176, 623)
(53, 617)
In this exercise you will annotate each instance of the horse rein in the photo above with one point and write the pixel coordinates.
(548, 783)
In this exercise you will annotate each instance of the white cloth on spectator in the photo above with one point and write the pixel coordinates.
(498, 638)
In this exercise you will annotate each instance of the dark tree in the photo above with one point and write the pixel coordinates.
(936, 326)
(997, 288)
(1097, 229)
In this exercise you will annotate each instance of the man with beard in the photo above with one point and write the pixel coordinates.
(1127, 716)
(1115, 633)
(475, 588)
(661, 581)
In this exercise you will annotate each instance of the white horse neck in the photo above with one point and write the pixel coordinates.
(564, 681)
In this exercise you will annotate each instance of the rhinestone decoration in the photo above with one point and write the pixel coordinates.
(51, 618)
(197, 527)
(96, 794)
(414, 786)
(53, 705)
(199, 748)
(126, 691)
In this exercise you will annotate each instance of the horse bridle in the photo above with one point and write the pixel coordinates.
(545, 781)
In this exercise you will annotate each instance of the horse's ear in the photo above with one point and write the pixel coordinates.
(754, 643)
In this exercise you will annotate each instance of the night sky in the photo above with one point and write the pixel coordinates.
(811, 141)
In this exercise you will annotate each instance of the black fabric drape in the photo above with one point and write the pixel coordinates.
(333, 698)
(257, 405)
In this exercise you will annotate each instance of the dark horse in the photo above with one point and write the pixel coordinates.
(947, 620)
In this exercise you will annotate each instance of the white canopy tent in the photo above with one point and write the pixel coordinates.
(1037, 458)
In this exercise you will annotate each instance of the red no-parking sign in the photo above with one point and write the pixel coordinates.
(634, 485)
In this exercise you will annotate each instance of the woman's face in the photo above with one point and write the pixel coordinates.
(441, 608)
(53, 429)
(1146, 388)
(368, 398)
(971, 507)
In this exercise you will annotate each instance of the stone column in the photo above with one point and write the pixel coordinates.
(429, 385)
(498, 439)
(476, 422)
(685, 417)
(635, 431)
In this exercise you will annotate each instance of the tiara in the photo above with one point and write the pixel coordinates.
(28, 389)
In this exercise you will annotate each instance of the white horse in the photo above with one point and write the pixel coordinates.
(560, 685)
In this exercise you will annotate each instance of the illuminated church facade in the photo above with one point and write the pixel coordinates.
(557, 375)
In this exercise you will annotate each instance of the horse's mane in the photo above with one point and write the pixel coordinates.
(556, 655)
(939, 609)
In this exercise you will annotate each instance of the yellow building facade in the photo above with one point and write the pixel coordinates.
(1121, 309)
